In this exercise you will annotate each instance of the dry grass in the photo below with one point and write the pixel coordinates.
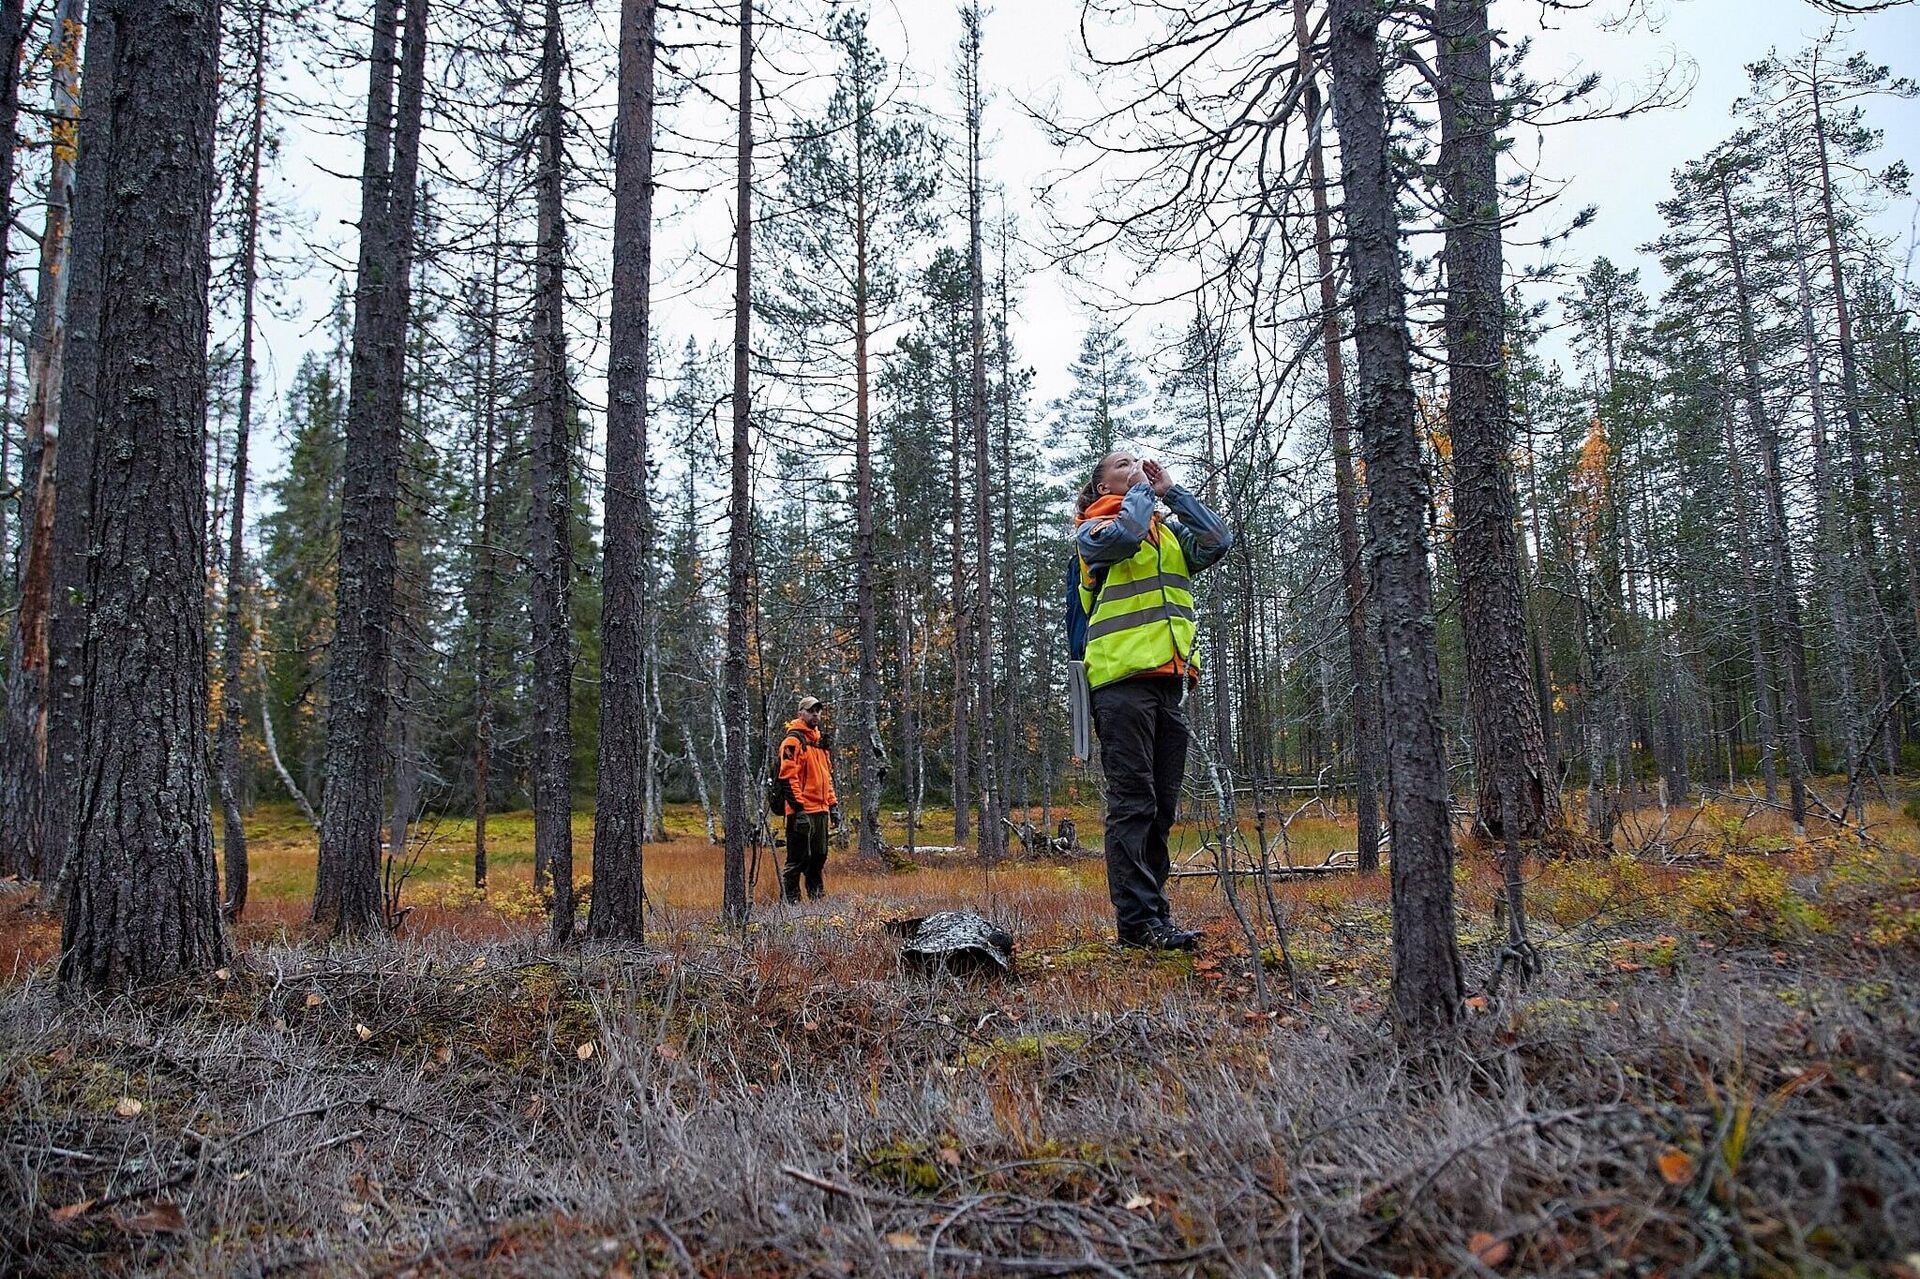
(1715, 1076)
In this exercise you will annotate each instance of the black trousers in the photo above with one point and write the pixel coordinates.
(1143, 751)
(806, 855)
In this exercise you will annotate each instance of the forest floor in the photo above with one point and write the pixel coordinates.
(1715, 1074)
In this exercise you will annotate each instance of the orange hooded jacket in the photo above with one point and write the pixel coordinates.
(806, 769)
(1107, 507)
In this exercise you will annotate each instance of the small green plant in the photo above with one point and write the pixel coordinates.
(1741, 1109)
(907, 1165)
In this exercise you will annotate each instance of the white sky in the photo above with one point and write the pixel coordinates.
(1031, 54)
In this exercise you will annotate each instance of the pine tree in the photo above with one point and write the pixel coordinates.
(144, 904)
(72, 518)
(1516, 797)
(1426, 967)
(863, 172)
(346, 889)
(627, 666)
(992, 835)
(255, 61)
(550, 522)
(1103, 407)
(1716, 228)
(300, 537)
(23, 765)
(740, 509)
(1361, 655)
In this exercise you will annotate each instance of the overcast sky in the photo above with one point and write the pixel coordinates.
(1031, 54)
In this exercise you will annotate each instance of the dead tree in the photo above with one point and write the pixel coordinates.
(233, 638)
(23, 732)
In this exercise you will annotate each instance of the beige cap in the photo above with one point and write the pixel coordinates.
(812, 704)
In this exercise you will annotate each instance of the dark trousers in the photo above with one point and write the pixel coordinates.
(806, 855)
(1143, 750)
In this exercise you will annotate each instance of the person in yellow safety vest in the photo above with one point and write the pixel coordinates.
(1136, 589)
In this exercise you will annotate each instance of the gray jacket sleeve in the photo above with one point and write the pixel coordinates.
(1204, 536)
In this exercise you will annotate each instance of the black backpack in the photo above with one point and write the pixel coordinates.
(778, 793)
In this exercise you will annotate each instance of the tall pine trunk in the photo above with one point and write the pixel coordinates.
(347, 881)
(1013, 737)
(1861, 525)
(962, 616)
(80, 408)
(1841, 582)
(13, 37)
(907, 720)
(620, 823)
(1791, 647)
(734, 796)
(1509, 741)
(993, 837)
(1361, 654)
(145, 899)
(1763, 695)
(485, 569)
(233, 637)
(1426, 963)
(867, 656)
(550, 512)
(1843, 319)
(23, 728)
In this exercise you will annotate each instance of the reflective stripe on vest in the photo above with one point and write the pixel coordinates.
(1112, 593)
(1142, 616)
(1121, 621)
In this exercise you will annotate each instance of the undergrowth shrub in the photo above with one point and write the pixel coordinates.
(1745, 897)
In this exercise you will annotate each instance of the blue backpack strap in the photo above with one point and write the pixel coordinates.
(1078, 574)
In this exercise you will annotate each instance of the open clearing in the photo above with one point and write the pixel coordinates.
(1715, 1075)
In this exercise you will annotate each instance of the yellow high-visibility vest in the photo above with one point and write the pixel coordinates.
(1142, 616)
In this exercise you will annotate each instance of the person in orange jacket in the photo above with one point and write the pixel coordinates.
(807, 799)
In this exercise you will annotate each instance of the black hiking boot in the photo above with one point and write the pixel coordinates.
(1159, 936)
